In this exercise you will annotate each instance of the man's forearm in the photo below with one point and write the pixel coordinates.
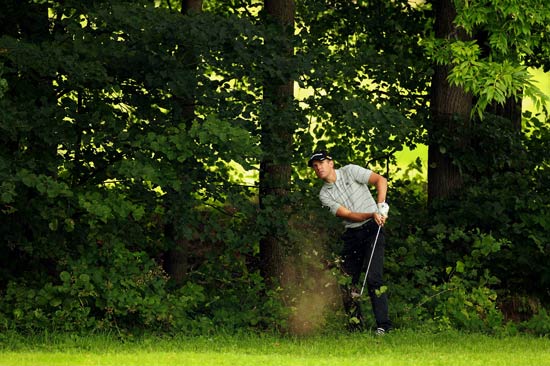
(381, 185)
(353, 216)
(382, 189)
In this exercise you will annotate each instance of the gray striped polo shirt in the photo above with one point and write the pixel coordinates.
(351, 191)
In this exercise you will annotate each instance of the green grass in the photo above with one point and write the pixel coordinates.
(398, 348)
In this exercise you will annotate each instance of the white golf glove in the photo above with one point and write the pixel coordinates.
(383, 209)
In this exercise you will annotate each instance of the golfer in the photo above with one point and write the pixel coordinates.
(346, 194)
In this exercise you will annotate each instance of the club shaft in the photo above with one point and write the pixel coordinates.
(370, 260)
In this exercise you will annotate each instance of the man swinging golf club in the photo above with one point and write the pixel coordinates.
(347, 195)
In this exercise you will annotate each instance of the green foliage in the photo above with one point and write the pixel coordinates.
(367, 78)
(468, 300)
(113, 166)
(539, 324)
(112, 288)
(123, 127)
(505, 37)
(105, 288)
(445, 292)
(3, 83)
(465, 308)
(488, 238)
(505, 195)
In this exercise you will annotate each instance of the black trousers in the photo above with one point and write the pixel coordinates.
(358, 245)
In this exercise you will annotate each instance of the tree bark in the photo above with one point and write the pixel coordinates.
(277, 132)
(450, 110)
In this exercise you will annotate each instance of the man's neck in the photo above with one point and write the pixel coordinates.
(331, 178)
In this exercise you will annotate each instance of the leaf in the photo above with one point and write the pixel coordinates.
(65, 276)
(55, 302)
(84, 277)
(381, 290)
(460, 266)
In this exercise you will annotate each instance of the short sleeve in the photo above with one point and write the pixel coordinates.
(328, 202)
(358, 173)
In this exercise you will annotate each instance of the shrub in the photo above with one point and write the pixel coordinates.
(108, 286)
(539, 324)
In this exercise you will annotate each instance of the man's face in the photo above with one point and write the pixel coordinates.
(323, 168)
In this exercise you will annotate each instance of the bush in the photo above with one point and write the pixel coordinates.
(539, 324)
(439, 274)
(108, 287)
(113, 288)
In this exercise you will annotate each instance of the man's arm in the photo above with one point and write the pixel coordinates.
(381, 185)
(346, 214)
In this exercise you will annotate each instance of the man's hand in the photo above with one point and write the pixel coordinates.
(379, 219)
(382, 214)
(383, 209)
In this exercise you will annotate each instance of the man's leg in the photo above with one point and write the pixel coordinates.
(353, 310)
(375, 281)
(353, 255)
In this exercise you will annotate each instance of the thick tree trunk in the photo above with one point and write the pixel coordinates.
(450, 109)
(275, 169)
(511, 110)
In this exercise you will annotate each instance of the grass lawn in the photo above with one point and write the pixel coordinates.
(398, 348)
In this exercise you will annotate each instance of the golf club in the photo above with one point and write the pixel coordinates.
(383, 210)
(370, 260)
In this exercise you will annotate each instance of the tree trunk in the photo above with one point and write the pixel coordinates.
(277, 132)
(450, 110)
(511, 109)
(176, 259)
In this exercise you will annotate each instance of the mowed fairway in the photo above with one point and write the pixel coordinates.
(398, 348)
